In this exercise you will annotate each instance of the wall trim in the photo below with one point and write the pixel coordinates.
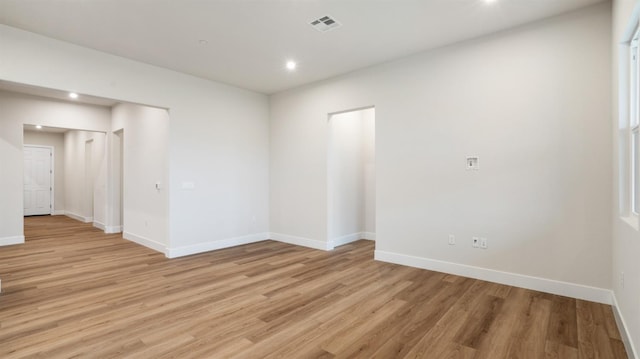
(107, 229)
(622, 328)
(345, 239)
(214, 245)
(149, 243)
(78, 217)
(112, 229)
(8, 241)
(567, 289)
(368, 235)
(301, 241)
(99, 225)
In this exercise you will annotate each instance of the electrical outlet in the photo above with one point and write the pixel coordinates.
(475, 242)
(483, 243)
(452, 240)
(473, 163)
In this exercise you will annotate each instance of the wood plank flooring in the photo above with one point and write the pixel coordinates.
(72, 291)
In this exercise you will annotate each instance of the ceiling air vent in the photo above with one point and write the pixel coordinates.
(325, 23)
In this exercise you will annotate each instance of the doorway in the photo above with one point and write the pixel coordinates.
(38, 180)
(75, 176)
(85, 189)
(351, 176)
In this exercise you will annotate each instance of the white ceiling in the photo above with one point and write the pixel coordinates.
(45, 129)
(56, 94)
(248, 41)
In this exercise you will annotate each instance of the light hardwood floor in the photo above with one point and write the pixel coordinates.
(72, 291)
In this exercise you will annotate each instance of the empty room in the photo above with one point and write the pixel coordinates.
(322, 178)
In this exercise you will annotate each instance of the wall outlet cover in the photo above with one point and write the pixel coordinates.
(473, 163)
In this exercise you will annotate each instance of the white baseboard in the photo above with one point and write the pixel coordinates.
(369, 235)
(149, 243)
(567, 289)
(622, 327)
(58, 212)
(99, 225)
(107, 229)
(112, 229)
(8, 241)
(345, 239)
(78, 217)
(301, 241)
(213, 245)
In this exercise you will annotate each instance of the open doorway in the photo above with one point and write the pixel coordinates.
(76, 172)
(351, 176)
(117, 185)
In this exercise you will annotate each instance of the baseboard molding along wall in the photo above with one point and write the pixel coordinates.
(149, 243)
(322, 245)
(99, 225)
(340, 241)
(622, 327)
(112, 229)
(567, 289)
(301, 241)
(213, 245)
(9, 241)
(78, 217)
(107, 229)
(252, 238)
(368, 235)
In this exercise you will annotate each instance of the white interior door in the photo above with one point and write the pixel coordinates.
(37, 180)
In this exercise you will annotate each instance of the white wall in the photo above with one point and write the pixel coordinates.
(346, 176)
(218, 136)
(85, 192)
(16, 110)
(530, 102)
(369, 143)
(145, 146)
(55, 140)
(75, 173)
(626, 239)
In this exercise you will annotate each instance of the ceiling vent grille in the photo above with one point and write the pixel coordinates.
(325, 23)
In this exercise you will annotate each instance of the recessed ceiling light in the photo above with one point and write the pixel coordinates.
(39, 127)
(489, 1)
(203, 42)
(291, 65)
(73, 95)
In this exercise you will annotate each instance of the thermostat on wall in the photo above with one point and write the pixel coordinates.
(473, 163)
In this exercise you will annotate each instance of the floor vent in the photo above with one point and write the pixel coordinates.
(325, 23)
